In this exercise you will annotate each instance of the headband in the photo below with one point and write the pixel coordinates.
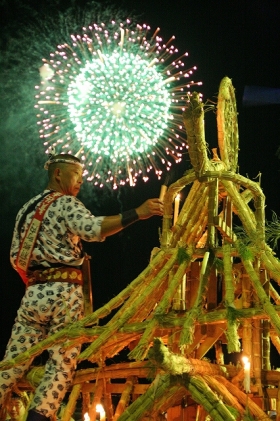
(64, 160)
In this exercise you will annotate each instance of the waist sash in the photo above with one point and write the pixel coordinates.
(61, 274)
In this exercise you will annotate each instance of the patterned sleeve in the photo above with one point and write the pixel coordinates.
(80, 221)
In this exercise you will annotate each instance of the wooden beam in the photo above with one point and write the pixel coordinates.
(210, 341)
(117, 388)
(224, 229)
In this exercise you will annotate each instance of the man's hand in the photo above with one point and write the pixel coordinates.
(113, 224)
(150, 208)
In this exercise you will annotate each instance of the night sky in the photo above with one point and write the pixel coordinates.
(240, 40)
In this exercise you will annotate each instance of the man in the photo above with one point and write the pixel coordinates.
(16, 406)
(46, 251)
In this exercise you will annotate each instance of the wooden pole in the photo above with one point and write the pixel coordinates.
(87, 287)
(257, 355)
(96, 399)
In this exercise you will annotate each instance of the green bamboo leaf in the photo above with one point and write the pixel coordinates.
(272, 231)
(182, 255)
(219, 265)
(233, 314)
(244, 251)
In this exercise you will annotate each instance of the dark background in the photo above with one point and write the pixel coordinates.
(240, 40)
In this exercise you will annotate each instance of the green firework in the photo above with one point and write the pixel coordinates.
(114, 96)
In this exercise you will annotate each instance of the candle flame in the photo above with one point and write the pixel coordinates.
(99, 408)
(247, 373)
(245, 360)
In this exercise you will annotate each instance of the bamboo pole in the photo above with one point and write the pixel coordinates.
(204, 396)
(147, 308)
(266, 345)
(191, 317)
(193, 118)
(145, 402)
(143, 370)
(124, 294)
(274, 294)
(188, 210)
(141, 349)
(271, 264)
(171, 397)
(200, 392)
(74, 329)
(221, 390)
(212, 212)
(168, 211)
(275, 340)
(166, 300)
(178, 364)
(128, 310)
(72, 402)
(228, 138)
(245, 400)
(232, 323)
(195, 230)
(188, 204)
(247, 196)
(242, 209)
(179, 298)
(34, 376)
(246, 291)
(116, 344)
(264, 299)
(124, 399)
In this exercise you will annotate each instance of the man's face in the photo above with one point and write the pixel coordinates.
(70, 179)
(15, 409)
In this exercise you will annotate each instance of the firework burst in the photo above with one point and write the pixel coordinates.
(114, 97)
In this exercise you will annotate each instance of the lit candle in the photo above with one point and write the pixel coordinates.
(176, 208)
(100, 409)
(86, 417)
(247, 369)
(162, 192)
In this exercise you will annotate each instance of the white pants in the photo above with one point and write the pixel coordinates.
(45, 309)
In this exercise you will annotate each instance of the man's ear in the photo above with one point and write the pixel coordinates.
(57, 173)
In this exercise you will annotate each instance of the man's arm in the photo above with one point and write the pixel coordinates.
(113, 224)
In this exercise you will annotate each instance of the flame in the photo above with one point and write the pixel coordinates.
(245, 360)
(99, 408)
